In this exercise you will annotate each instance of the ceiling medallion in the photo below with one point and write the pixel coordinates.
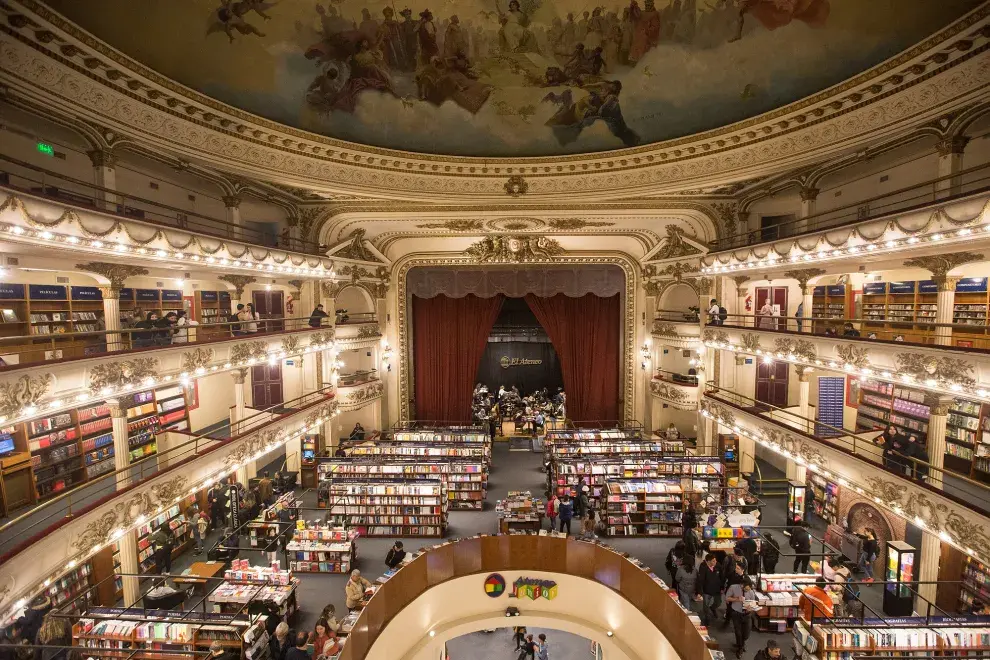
(515, 224)
(516, 186)
(514, 249)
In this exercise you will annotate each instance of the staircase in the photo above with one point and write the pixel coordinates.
(767, 481)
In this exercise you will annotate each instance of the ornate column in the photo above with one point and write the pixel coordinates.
(232, 204)
(706, 365)
(939, 406)
(939, 266)
(121, 447)
(129, 565)
(809, 195)
(239, 376)
(238, 282)
(803, 275)
(931, 553)
(105, 176)
(804, 395)
(741, 291)
(116, 274)
(950, 162)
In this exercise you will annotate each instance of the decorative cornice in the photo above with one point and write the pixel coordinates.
(116, 273)
(238, 282)
(854, 355)
(663, 329)
(248, 350)
(514, 249)
(197, 359)
(143, 102)
(28, 390)
(369, 331)
(672, 394)
(802, 275)
(942, 371)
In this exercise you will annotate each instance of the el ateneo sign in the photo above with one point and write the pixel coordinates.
(507, 362)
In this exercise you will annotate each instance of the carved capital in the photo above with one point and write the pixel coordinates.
(297, 285)
(802, 275)
(939, 265)
(116, 273)
(330, 288)
(949, 284)
(740, 280)
(239, 376)
(110, 292)
(809, 193)
(102, 158)
(952, 145)
(231, 201)
(938, 403)
(239, 282)
(706, 286)
(116, 409)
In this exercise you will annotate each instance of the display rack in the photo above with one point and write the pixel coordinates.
(519, 511)
(72, 586)
(265, 529)
(176, 521)
(321, 550)
(244, 584)
(465, 479)
(384, 507)
(210, 307)
(444, 435)
(975, 583)
(139, 635)
(643, 508)
(779, 595)
(567, 471)
(826, 500)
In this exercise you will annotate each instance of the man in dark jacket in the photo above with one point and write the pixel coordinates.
(801, 543)
(316, 318)
(771, 652)
(735, 573)
(566, 512)
(749, 551)
(395, 555)
(769, 553)
(708, 585)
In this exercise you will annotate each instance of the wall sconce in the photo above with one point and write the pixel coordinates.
(644, 351)
(386, 355)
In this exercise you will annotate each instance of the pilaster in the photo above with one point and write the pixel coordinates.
(950, 163)
(931, 553)
(939, 406)
(111, 318)
(105, 178)
(121, 447)
(232, 205)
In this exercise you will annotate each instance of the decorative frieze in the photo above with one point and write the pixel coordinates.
(248, 350)
(944, 372)
(116, 375)
(24, 392)
(197, 359)
(514, 249)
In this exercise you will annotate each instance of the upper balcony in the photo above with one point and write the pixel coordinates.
(954, 507)
(676, 328)
(939, 214)
(675, 389)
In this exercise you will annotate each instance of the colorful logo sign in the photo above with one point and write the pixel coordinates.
(494, 585)
(534, 589)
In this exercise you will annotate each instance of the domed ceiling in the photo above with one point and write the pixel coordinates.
(510, 77)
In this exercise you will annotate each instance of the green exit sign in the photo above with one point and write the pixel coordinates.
(46, 149)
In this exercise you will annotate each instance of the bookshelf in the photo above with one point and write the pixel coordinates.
(389, 507)
(56, 461)
(174, 518)
(448, 435)
(465, 479)
(970, 307)
(212, 307)
(826, 497)
(643, 508)
(70, 586)
(828, 303)
(13, 310)
(728, 451)
(172, 408)
(975, 583)
(779, 595)
(321, 550)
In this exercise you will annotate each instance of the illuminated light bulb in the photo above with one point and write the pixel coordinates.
(955, 387)
(17, 230)
(142, 251)
(71, 564)
(853, 250)
(47, 235)
(871, 247)
(195, 257)
(913, 240)
(890, 244)
(97, 244)
(965, 232)
(936, 237)
(82, 397)
(57, 403)
(178, 255)
(931, 382)
(30, 410)
(161, 253)
(72, 240)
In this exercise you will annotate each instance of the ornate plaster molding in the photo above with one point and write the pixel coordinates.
(514, 249)
(124, 373)
(238, 282)
(116, 273)
(352, 398)
(939, 265)
(803, 275)
(673, 395)
(27, 390)
(56, 60)
(257, 350)
(199, 358)
(369, 331)
(943, 371)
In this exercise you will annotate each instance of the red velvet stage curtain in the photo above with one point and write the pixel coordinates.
(449, 338)
(585, 334)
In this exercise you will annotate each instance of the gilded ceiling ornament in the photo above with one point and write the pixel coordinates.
(675, 246)
(116, 273)
(668, 392)
(516, 186)
(354, 247)
(514, 249)
(330, 288)
(573, 224)
(802, 275)
(290, 344)
(652, 289)
(946, 371)
(125, 372)
(750, 342)
(322, 338)
(28, 390)
(854, 355)
(677, 270)
(249, 349)
(197, 359)
(663, 329)
(726, 214)
(939, 265)
(367, 331)
(239, 282)
(455, 225)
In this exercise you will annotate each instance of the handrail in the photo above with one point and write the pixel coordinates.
(657, 375)
(65, 347)
(851, 213)
(98, 198)
(175, 456)
(900, 332)
(922, 472)
(483, 555)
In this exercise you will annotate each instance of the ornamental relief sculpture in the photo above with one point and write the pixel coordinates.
(119, 374)
(854, 355)
(514, 249)
(669, 393)
(247, 350)
(28, 390)
(197, 359)
(945, 370)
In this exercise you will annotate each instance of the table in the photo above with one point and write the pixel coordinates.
(200, 572)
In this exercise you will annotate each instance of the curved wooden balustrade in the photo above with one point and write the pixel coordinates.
(525, 552)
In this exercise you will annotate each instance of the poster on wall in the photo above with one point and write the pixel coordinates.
(831, 391)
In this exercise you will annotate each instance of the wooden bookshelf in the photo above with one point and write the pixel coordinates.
(643, 508)
(321, 550)
(826, 497)
(389, 507)
(828, 306)
(212, 307)
(465, 479)
(174, 517)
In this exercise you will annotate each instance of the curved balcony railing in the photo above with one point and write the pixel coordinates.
(19, 175)
(356, 318)
(29, 526)
(30, 350)
(357, 378)
(484, 555)
(940, 190)
(913, 332)
(675, 378)
(865, 446)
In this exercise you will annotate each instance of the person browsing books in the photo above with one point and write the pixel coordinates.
(395, 556)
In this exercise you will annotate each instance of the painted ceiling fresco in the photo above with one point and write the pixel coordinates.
(510, 77)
